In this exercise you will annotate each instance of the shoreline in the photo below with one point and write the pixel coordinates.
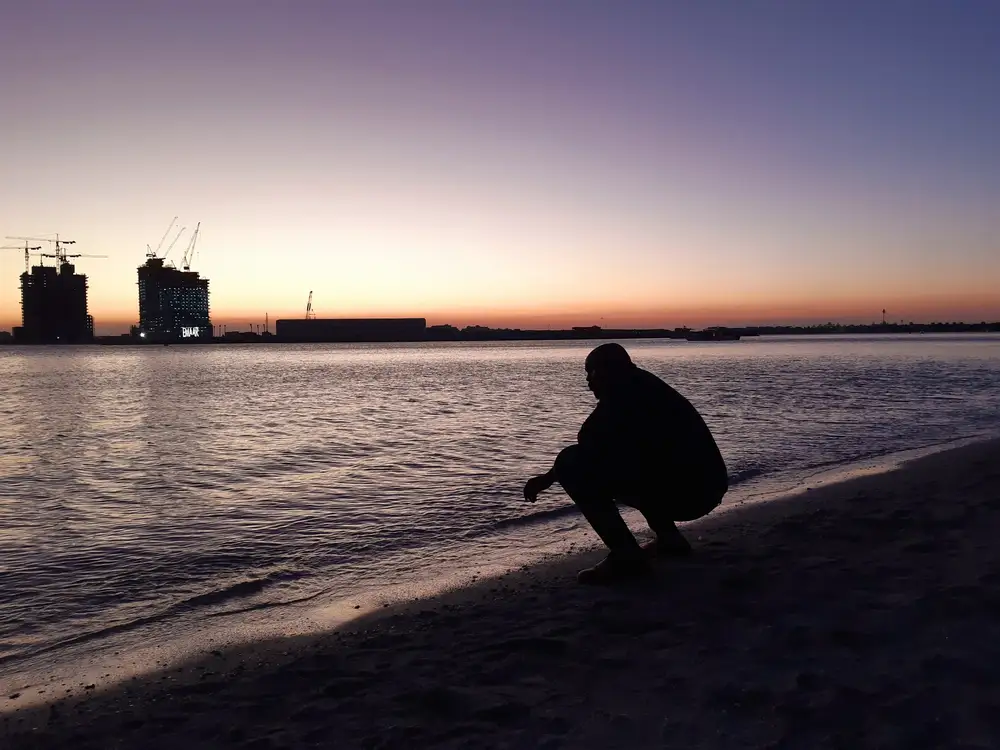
(153, 643)
(797, 616)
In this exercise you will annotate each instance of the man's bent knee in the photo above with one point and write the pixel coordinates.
(579, 478)
(568, 466)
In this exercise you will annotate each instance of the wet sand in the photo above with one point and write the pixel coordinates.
(861, 614)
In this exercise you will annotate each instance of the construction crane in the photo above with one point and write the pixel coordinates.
(310, 315)
(27, 251)
(64, 257)
(150, 253)
(189, 253)
(60, 253)
(171, 246)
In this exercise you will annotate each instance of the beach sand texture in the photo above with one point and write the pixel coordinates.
(862, 614)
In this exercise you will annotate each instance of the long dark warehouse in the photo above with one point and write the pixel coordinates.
(316, 330)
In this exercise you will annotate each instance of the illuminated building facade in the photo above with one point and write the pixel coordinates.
(173, 304)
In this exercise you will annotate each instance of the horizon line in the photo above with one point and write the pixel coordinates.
(824, 324)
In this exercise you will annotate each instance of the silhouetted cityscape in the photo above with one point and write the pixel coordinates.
(173, 306)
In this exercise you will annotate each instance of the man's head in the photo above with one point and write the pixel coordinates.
(606, 366)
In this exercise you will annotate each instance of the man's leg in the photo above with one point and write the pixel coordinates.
(662, 509)
(595, 500)
(669, 540)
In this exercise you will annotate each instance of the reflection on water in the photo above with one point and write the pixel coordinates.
(146, 482)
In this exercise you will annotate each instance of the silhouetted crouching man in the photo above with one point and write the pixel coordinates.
(644, 446)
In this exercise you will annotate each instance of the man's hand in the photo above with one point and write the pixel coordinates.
(537, 485)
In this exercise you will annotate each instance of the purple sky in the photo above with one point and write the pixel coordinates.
(655, 162)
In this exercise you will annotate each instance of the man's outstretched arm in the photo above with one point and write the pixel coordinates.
(537, 485)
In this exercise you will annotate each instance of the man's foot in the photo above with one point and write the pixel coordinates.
(668, 546)
(613, 569)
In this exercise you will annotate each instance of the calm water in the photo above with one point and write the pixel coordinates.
(149, 485)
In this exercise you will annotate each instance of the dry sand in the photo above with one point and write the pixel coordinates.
(863, 614)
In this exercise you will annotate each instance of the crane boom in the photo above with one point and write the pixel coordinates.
(164, 237)
(27, 250)
(43, 239)
(189, 253)
(60, 253)
(174, 242)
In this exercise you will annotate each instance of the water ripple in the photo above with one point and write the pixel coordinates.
(144, 483)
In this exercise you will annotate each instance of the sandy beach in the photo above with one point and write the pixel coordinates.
(860, 614)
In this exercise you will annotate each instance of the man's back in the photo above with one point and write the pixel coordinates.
(646, 428)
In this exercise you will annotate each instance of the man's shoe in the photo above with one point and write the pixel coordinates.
(613, 569)
(668, 547)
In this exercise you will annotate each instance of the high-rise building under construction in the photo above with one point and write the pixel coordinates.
(54, 306)
(173, 304)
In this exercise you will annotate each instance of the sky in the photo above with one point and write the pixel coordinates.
(518, 162)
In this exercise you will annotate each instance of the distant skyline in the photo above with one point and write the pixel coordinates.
(515, 163)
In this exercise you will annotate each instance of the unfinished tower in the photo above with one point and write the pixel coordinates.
(54, 307)
(173, 304)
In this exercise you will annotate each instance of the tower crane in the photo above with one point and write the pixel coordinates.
(27, 251)
(171, 246)
(60, 253)
(64, 256)
(189, 253)
(150, 253)
(310, 315)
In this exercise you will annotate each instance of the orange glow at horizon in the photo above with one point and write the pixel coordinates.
(921, 310)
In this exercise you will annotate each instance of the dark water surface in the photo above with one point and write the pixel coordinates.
(143, 485)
